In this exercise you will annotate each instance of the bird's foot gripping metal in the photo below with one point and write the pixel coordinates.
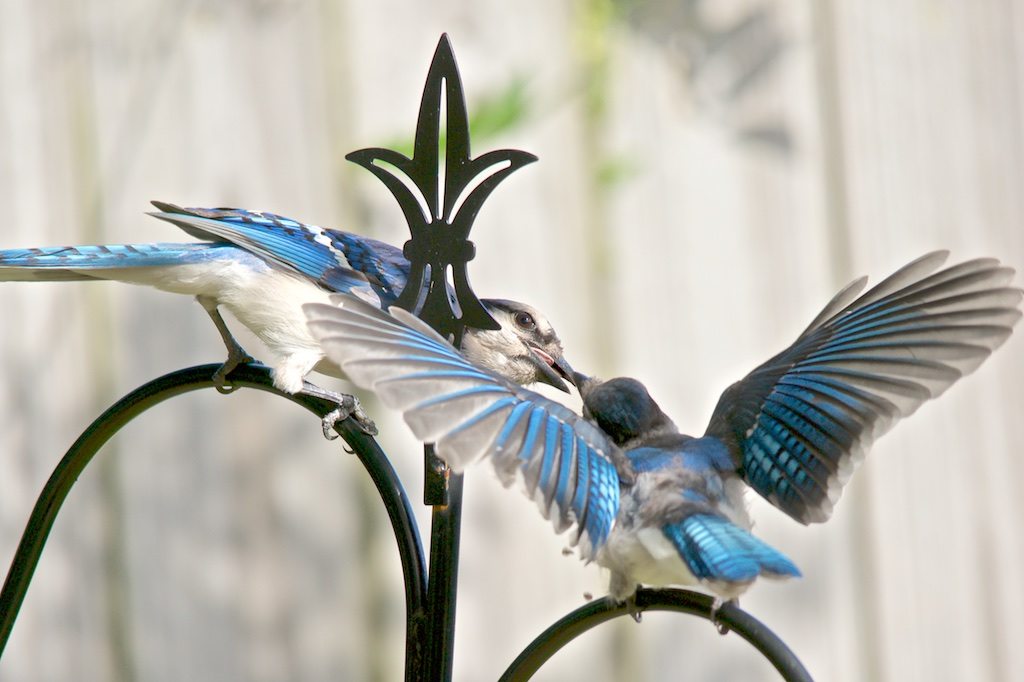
(636, 612)
(716, 606)
(236, 356)
(623, 594)
(347, 406)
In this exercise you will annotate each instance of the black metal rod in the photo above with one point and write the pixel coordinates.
(67, 471)
(684, 601)
(445, 533)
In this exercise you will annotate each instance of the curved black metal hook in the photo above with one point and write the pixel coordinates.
(104, 427)
(683, 601)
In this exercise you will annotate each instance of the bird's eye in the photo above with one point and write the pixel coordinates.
(525, 320)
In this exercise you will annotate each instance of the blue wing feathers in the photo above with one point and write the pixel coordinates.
(551, 466)
(810, 456)
(338, 260)
(510, 424)
(917, 278)
(875, 388)
(797, 423)
(562, 460)
(564, 485)
(912, 274)
(938, 288)
(292, 248)
(816, 432)
(918, 319)
(402, 360)
(782, 468)
(366, 334)
(497, 406)
(442, 374)
(533, 468)
(471, 392)
(838, 419)
(859, 406)
(533, 429)
(552, 442)
(886, 348)
(604, 501)
(579, 500)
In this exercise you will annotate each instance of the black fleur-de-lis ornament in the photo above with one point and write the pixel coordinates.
(440, 227)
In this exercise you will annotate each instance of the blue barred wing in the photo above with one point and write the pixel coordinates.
(563, 462)
(798, 425)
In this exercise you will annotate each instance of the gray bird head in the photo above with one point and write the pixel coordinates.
(525, 350)
(623, 409)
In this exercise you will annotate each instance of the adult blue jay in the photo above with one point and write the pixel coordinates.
(658, 507)
(262, 267)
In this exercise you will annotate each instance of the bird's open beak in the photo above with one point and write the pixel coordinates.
(553, 371)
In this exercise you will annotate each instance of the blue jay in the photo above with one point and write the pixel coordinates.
(262, 267)
(658, 507)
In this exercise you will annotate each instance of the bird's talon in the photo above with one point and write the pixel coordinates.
(635, 612)
(716, 606)
(348, 407)
(365, 423)
(330, 419)
(220, 378)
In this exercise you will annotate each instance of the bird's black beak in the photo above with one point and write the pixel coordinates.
(553, 371)
(580, 381)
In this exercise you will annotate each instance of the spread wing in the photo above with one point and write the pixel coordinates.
(798, 424)
(564, 462)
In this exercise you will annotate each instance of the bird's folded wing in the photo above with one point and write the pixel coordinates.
(798, 424)
(563, 461)
(338, 260)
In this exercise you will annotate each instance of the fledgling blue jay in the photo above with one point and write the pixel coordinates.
(658, 507)
(262, 267)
